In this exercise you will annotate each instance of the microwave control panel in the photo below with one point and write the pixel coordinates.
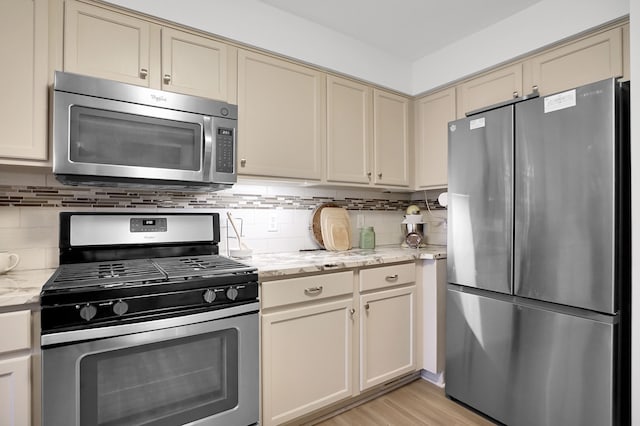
(224, 150)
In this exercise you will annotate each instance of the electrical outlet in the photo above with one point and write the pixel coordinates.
(360, 220)
(273, 223)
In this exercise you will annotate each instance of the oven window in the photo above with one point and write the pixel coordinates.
(165, 383)
(115, 138)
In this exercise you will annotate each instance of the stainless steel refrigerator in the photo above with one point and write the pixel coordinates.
(538, 259)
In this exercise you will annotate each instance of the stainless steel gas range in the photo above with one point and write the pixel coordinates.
(144, 323)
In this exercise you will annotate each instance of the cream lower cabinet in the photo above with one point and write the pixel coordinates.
(387, 323)
(281, 118)
(108, 44)
(15, 368)
(307, 347)
(23, 107)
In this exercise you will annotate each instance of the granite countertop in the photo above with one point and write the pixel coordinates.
(22, 287)
(277, 265)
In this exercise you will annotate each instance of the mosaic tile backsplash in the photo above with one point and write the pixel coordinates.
(30, 203)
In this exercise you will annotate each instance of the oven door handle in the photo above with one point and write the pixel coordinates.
(139, 327)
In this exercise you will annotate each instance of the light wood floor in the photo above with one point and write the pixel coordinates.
(418, 403)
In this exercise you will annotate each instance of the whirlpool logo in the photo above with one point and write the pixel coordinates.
(158, 98)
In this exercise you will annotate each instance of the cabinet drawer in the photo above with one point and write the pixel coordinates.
(304, 289)
(387, 276)
(16, 328)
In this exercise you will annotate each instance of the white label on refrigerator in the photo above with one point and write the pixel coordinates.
(560, 101)
(476, 124)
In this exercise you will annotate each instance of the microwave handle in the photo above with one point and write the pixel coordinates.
(208, 148)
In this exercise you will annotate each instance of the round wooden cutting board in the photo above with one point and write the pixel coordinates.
(316, 227)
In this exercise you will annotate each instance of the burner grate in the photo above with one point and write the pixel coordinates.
(106, 274)
(191, 266)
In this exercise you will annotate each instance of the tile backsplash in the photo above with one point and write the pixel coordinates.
(30, 203)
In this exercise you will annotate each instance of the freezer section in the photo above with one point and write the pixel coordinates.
(480, 200)
(565, 198)
(525, 365)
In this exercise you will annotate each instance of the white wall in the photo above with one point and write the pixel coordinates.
(533, 28)
(258, 24)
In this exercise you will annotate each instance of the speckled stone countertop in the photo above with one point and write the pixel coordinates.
(22, 287)
(19, 288)
(278, 265)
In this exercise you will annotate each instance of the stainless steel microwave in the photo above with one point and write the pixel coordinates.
(107, 133)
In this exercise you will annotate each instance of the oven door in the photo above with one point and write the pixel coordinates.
(195, 369)
(103, 137)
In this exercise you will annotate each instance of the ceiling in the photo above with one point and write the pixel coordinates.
(407, 29)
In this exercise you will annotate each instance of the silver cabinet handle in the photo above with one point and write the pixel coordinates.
(379, 175)
(352, 311)
(515, 94)
(534, 89)
(167, 79)
(144, 73)
(369, 175)
(243, 162)
(393, 277)
(313, 290)
(366, 306)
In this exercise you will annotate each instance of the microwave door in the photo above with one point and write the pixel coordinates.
(101, 137)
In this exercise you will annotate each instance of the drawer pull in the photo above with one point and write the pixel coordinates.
(312, 291)
(352, 311)
(393, 277)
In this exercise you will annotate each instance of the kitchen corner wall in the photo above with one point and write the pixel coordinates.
(30, 202)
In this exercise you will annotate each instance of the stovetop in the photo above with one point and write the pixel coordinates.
(139, 272)
(97, 294)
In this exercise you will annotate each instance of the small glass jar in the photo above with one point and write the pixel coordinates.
(367, 237)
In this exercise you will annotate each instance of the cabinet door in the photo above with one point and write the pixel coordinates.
(433, 113)
(584, 61)
(281, 118)
(106, 44)
(15, 391)
(390, 139)
(306, 359)
(23, 108)
(489, 89)
(387, 337)
(193, 65)
(348, 131)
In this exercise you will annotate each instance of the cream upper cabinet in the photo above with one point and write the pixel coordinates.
(349, 131)
(116, 46)
(281, 118)
(432, 115)
(106, 44)
(15, 368)
(307, 347)
(488, 89)
(390, 139)
(23, 108)
(587, 60)
(193, 64)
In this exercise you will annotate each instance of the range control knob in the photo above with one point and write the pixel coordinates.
(87, 312)
(232, 293)
(120, 308)
(209, 296)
